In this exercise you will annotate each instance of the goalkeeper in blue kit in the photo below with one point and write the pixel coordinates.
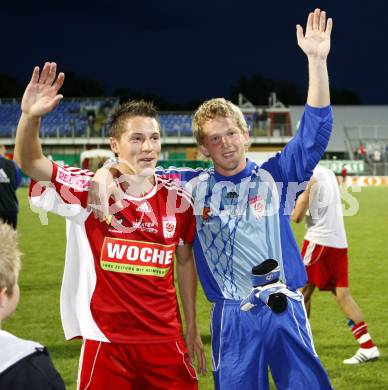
(247, 258)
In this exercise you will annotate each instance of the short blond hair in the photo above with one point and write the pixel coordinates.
(216, 107)
(9, 257)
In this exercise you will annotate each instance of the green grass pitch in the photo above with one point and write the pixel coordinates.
(37, 316)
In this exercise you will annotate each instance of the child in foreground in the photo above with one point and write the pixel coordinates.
(24, 364)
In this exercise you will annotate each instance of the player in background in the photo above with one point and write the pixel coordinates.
(24, 364)
(243, 220)
(344, 174)
(325, 255)
(118, 287)
(9, 182)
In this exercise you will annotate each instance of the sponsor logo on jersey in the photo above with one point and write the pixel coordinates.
(169, 225)
(136, 257)
(74, 180)
(206, 213)
(144, 208)
(149, 227)
(228, 211)
(3, 176)
(257, 206)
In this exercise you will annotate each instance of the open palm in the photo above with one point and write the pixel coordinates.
(41, 95)
(316, 41)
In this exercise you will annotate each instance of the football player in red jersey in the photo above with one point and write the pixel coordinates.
(118, 288)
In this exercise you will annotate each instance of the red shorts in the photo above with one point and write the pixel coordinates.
(326, 267)
(111, 366)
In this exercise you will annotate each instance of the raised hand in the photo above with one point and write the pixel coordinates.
(41, 95)
(316, 42)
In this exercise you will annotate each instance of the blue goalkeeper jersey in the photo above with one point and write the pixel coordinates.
(244, 219)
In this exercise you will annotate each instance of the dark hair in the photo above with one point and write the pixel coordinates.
(128, 110)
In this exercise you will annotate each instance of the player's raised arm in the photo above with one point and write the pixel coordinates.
(315, 43)
(40, 97)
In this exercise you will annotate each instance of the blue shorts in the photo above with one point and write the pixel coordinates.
(245, 344)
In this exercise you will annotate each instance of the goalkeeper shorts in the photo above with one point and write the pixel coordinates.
(246, 343)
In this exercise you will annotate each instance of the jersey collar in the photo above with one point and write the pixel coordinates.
(247, 171)
(150, 194)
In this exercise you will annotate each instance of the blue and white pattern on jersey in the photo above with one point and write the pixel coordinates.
(237, 228)
(232, 239)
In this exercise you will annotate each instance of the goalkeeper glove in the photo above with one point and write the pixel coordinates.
(267, 289)
(273, 295)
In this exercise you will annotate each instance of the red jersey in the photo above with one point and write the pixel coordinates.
(118, 283)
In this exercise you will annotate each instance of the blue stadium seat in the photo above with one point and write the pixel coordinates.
(70, 118)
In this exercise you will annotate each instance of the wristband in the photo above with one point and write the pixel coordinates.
(265, 273)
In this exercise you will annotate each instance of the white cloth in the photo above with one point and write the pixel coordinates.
(13, 349)
(324, 219)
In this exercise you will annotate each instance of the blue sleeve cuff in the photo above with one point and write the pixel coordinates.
(322, 111)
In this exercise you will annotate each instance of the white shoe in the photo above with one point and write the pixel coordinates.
(363, 355)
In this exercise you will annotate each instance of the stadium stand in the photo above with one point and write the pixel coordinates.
(176, 124)
(80, 124)
(9, 116)
(88, 117)
(369, 143)
(72, 118)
